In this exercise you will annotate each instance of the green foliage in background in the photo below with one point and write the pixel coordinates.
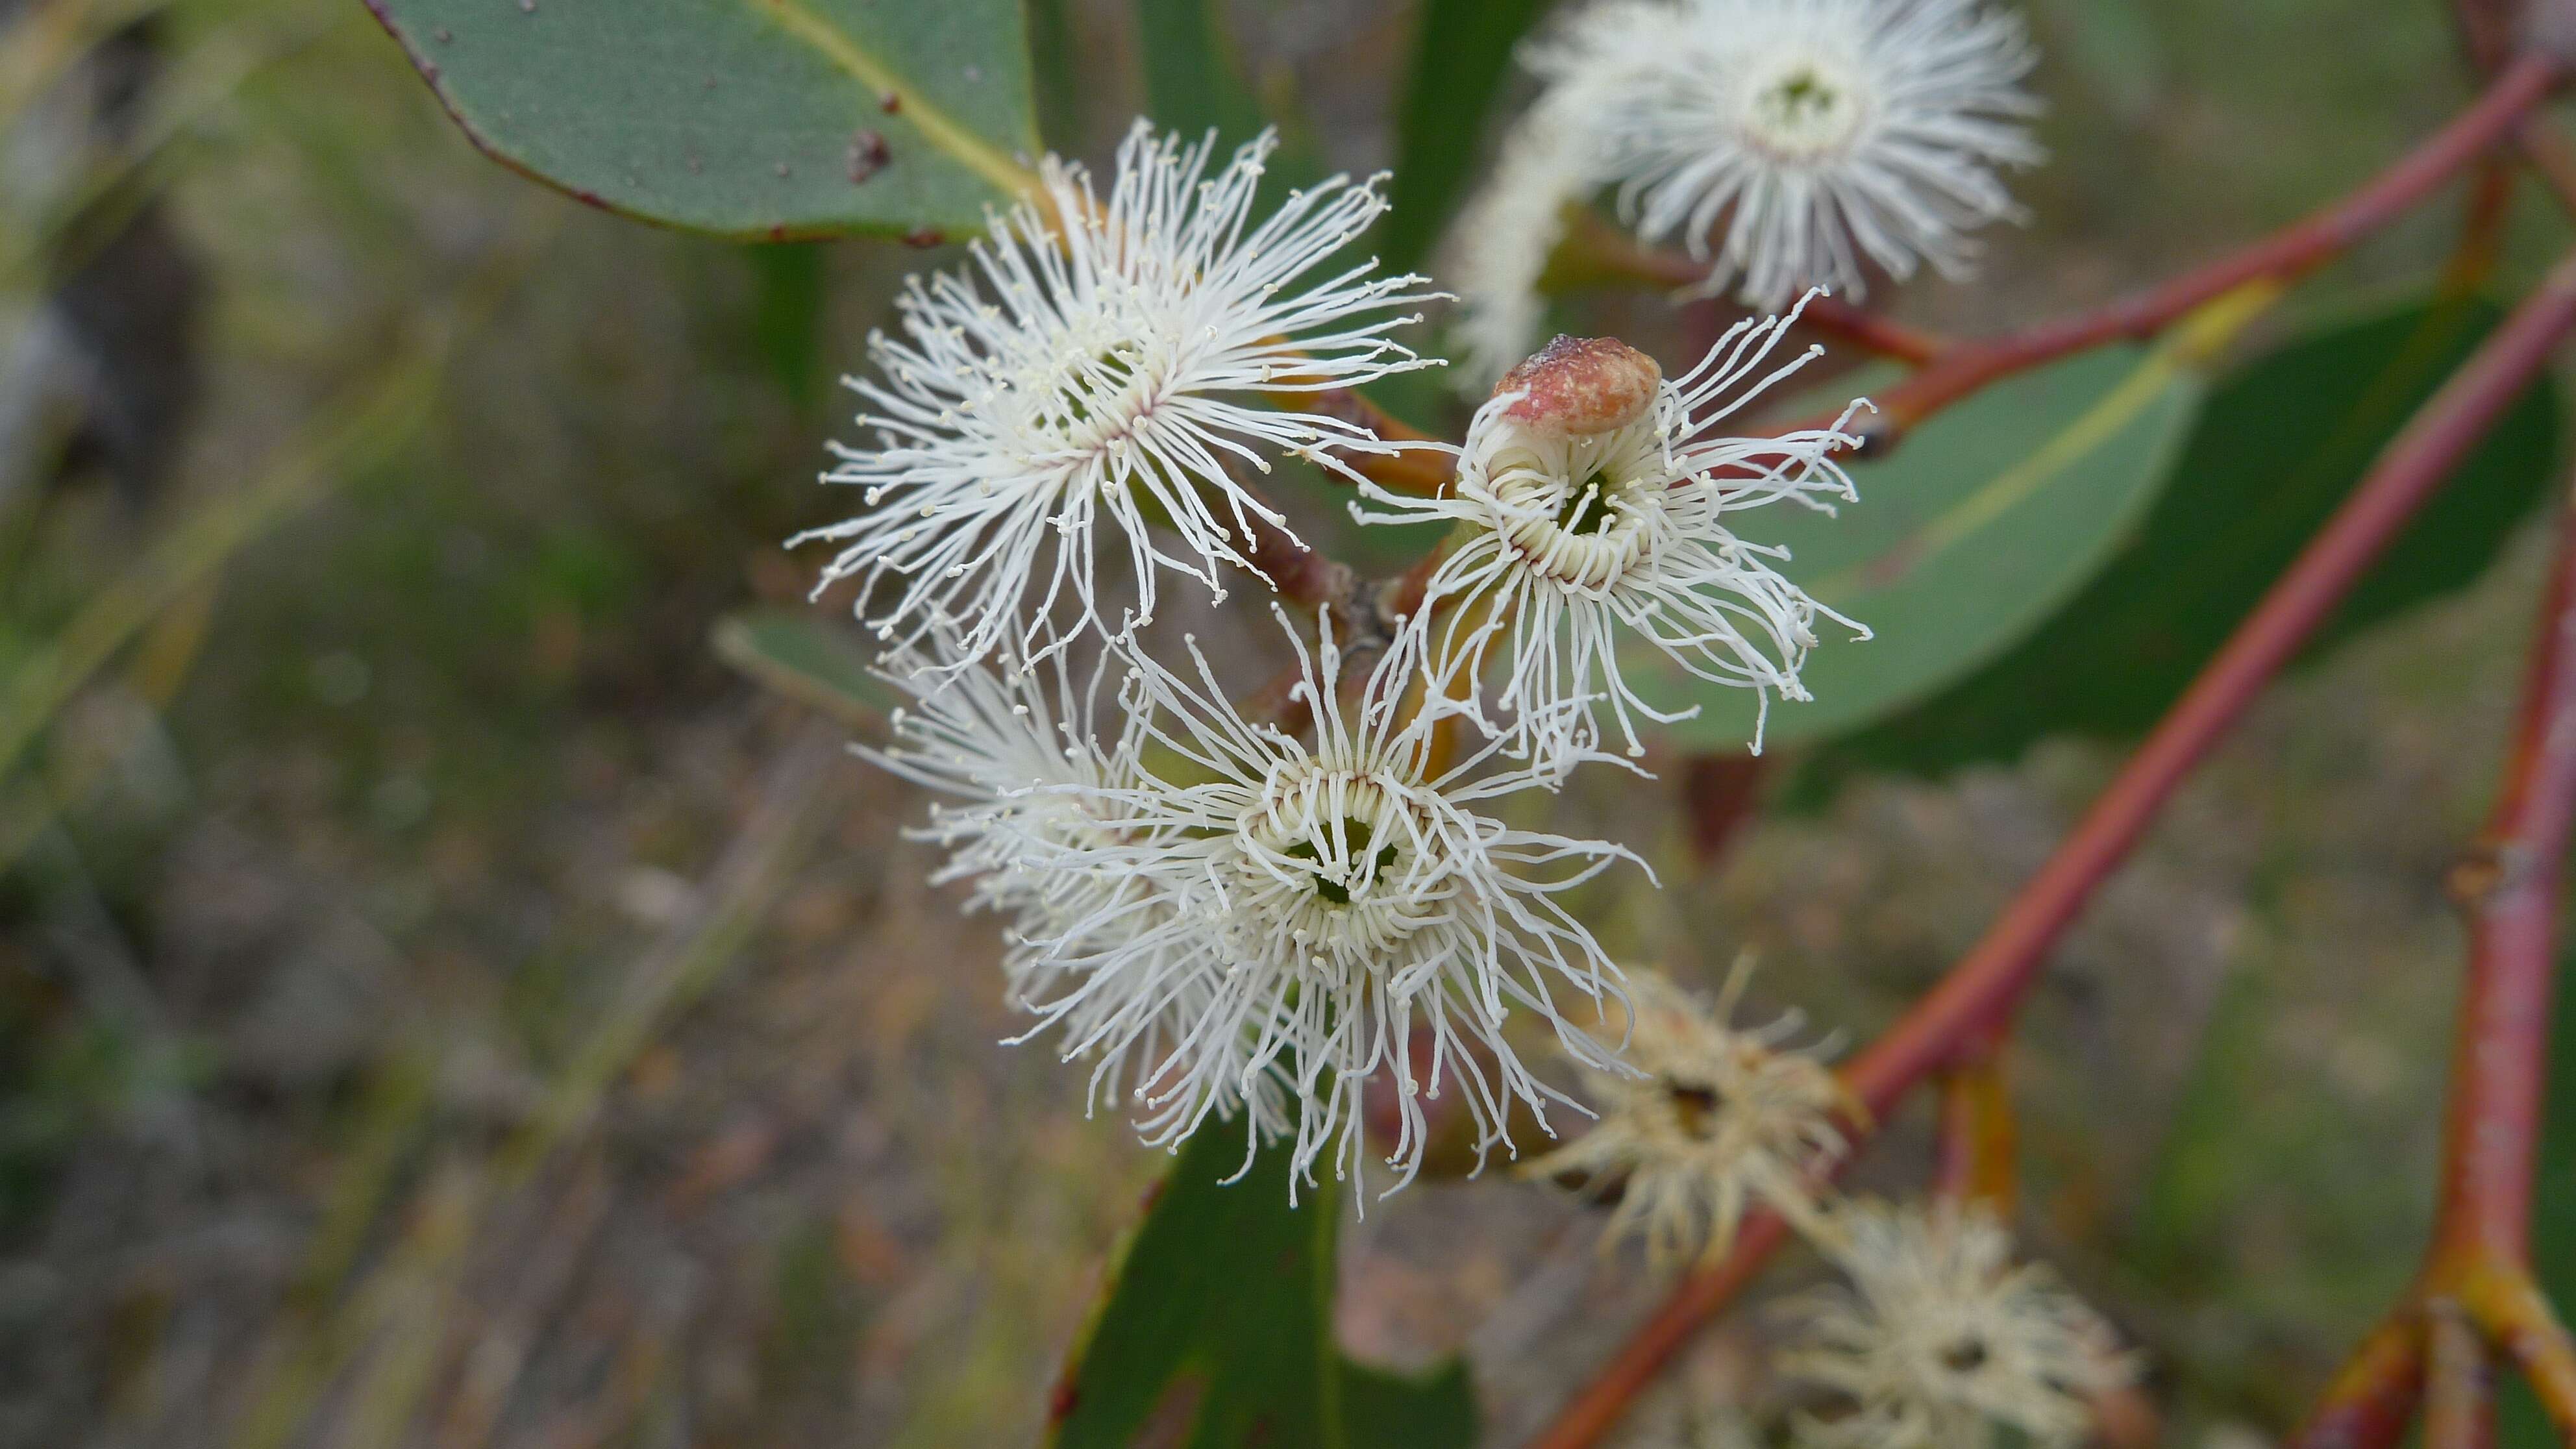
(1194, 79)
(1462, 51)
(2284, 438)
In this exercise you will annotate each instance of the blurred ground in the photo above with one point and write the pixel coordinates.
(440, 1005)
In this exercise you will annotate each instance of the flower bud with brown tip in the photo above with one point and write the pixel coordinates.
(1582, 386)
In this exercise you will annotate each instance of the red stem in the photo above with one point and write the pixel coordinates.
(2512, 888)
(2285, 254)
(2459, 1381)
(1979, 994)
(1719, 792)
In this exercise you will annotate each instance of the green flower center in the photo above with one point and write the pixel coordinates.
(1805, 111)
(1366, 867)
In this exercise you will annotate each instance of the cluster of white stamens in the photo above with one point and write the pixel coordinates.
(1230, 919)
(1721, 1119)
(1319, 904)
(1585, 532)
(1785, 143)
(1940, 1337)
(1093, 375)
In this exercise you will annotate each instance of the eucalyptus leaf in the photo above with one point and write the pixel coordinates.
(1987, 518)
(809, 660)
(1434, 1411)
(766, 119)
(2284, 439)
(1215, 1331)
(1217, 1325)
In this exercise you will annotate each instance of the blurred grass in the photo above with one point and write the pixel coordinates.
(346, 1096)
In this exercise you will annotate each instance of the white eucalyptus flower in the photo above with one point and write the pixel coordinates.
(1586, 525)
(1787, 142)
(1722, 1118)
(1026, 756)
(1313, 905)
(1940, 1339)
(1103, 367)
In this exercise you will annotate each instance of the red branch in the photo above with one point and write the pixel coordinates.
(2285, 254)
(1979, 994)
(2512, 888)
(2475, 1300)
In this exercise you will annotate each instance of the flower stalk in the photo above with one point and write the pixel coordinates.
(1974, 1141)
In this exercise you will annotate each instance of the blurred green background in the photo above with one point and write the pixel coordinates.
(440, 1003)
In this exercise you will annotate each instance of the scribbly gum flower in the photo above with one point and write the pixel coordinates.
(1803, 104)
(1720, 1119)
(1589, 509)
(1789, 142)
(1941, 1340)
(1299, 910)
(1104, 368)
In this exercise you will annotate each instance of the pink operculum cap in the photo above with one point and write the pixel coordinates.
(1579, 386)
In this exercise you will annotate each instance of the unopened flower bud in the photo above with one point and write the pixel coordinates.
(1581, 386)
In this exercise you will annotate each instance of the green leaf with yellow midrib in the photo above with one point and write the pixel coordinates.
(766, 119)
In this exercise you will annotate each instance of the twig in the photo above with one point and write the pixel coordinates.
(1303, 575)
(2477, 1275)
(1979, 994)
(2285, 254)
(1985, 986)
(2373, 1397)
(2459, 1383)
